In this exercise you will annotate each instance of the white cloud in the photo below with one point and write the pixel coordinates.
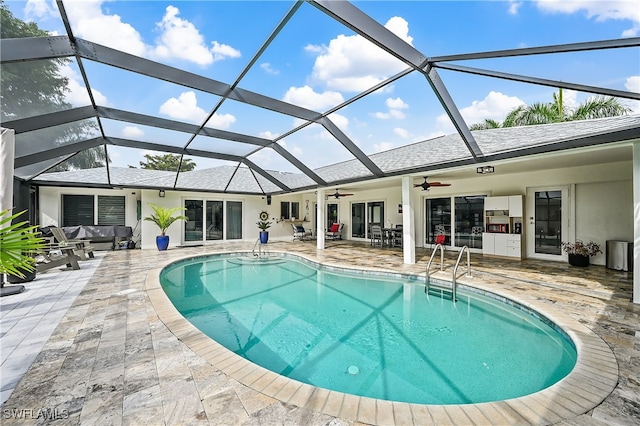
(340, 121)
(268, 135)
(494, 106)
(221, 121)
(40, 10)
(395, 109)
(600, 10)
(569, 98)
(383, 146)
(223, 51)
(633, 84)
(132, 132)
(353, 64)
(306, 97)
(396, 103)
(77, 94)
(382, 115)
(293, 149)
(266, 66)
(403, 133)
(185, 107)
(179, 39)
(514, 6)
(90, 23)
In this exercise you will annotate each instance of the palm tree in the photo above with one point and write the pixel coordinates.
(556, 112)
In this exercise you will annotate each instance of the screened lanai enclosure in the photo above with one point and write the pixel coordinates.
(272, 104)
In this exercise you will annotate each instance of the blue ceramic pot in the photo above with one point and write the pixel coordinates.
(162, 242)
(264, 237)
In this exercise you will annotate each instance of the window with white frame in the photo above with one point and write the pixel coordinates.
(81, 210)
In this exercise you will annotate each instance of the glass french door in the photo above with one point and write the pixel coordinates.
(332, 215)
(438, 219)
(358, 220)
(548, 222)
(375, 215)
(469, 221)
(194, 225)
(548, 216)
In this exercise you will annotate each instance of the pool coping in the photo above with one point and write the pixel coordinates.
(593, 378)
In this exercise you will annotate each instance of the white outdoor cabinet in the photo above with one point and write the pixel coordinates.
(503, 226)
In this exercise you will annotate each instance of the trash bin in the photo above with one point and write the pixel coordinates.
(619, 255)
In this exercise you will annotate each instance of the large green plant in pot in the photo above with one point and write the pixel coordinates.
(164, 218)
(19, 243)
(263, 225)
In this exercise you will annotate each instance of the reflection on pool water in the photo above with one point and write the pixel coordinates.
(369, 335)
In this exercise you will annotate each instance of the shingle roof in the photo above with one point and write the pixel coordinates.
(422, 155)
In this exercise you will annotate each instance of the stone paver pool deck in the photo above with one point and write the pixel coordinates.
(122, 355)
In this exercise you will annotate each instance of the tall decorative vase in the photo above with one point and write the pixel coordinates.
(578, 260)
(264, 237)
(162, 242)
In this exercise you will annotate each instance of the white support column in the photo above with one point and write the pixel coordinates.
(636, 222)
(7, 150)
(408, 222)
(321, 220)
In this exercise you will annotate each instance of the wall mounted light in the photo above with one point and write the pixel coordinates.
(485, 169)
(161, 193)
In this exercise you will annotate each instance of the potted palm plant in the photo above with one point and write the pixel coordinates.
(19, 243)
(580, 252)
(164, 218)
(263, 225)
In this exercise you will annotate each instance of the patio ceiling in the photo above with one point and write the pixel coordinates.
(247, 161)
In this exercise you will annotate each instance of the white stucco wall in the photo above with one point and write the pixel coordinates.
(601, 203)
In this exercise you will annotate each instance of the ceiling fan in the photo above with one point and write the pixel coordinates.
(426, 185)
(337, 194)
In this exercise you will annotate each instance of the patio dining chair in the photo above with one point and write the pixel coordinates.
(299, 233)
(377, 239)
(335, 232)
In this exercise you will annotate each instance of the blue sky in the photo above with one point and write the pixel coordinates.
(317, 63)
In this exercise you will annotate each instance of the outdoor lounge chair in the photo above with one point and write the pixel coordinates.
(55, 255)
(81, 247)
(299, 233)
(335, 232)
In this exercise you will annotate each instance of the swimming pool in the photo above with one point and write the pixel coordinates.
(374, 336)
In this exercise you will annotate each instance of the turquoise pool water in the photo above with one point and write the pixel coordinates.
(368, 335)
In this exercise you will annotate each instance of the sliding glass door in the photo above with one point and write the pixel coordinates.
(234, 220)
(212, 220)
(467, 225)
(358, 220)
(469, 221)
(438, 219)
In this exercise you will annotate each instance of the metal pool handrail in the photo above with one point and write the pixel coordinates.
(426, 287)
(455, 270)
(260, 254)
